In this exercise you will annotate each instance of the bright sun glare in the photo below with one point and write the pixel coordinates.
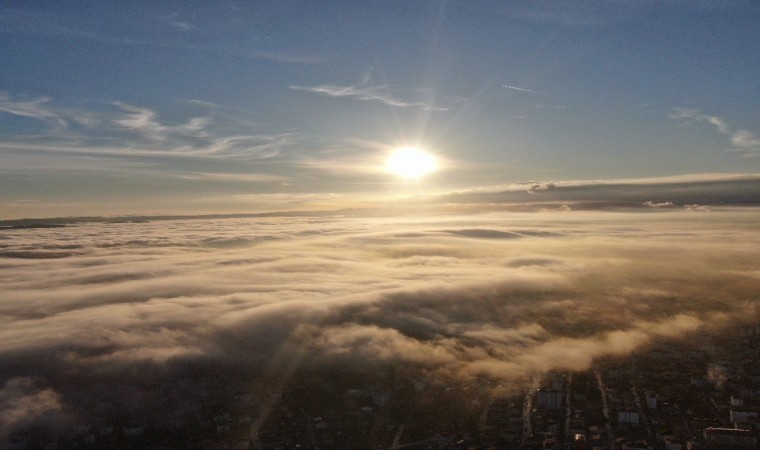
(411, 162)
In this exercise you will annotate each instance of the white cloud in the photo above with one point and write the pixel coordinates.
(141, 120)
(742, 141)
(255, 146)
(745, 139)
(121, 130)
(381, 94)
(652, 204)
(697, 207)
(36, 109)
(145, 122)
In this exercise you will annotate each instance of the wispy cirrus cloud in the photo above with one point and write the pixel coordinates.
(381, 94)
(742, 141)
(121, 128)
(140, 120)
(258, 146)
(220, 150)
(746, 140)
(38, 108)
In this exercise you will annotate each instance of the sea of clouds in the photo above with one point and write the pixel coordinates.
(97, 312)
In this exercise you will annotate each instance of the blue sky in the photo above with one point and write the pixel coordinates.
(167, 107)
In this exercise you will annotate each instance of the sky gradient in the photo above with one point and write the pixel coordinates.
(181, 108)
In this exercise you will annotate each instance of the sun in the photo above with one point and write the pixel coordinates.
(411, 162)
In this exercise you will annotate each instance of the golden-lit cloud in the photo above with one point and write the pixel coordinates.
(502, 295)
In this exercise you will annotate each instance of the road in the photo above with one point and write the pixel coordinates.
(605, 410)
(397, 438)
(568, 410)
(527, 430)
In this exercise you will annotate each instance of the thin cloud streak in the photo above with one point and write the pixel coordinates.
(129, 130)
(515, 88)
(746, 142)
(686, 191)
(665, 180)
(379, 94)
(35, 109)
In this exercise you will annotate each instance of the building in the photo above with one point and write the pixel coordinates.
(380, 398)
(729, 437)
(742, 415)
(549, 399)
(651, 400)
(628, 416)
(672, 443)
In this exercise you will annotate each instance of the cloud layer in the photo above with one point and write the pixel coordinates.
(687, 191)
(95, 315)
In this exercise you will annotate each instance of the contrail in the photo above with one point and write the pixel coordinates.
(521, 89)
